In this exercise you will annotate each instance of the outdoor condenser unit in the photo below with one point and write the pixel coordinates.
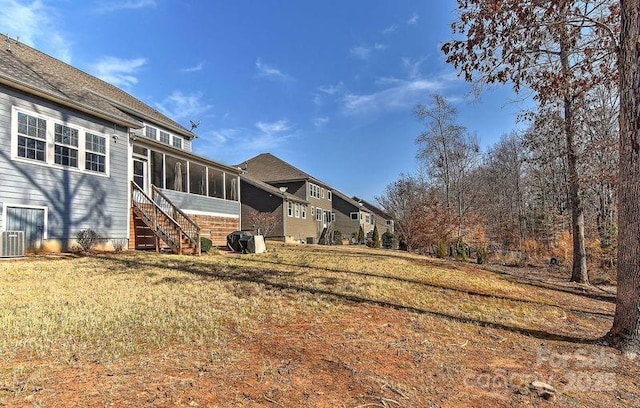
(11, 244)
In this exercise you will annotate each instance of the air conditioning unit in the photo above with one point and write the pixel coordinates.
(11, 244)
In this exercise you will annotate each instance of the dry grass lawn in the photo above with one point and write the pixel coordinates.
(301, 326)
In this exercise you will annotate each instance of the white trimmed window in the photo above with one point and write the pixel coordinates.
(165, 137)
(329, 195)
(150, 132)
(318, 214)
(53, 142)
(333, 216)
(303, 210)
(66, 146)
(96, 153)
(297, 210)
(290, 209)
(315, 191)
(355, 215)
(32, 137)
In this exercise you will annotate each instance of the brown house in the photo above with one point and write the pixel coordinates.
(301, 203)
(380, 218)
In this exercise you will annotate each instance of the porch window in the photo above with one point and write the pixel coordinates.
(175, 174)
(197, 179)
(232, 187)
(216, 183)
(157, 169)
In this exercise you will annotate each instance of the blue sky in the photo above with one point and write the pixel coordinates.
(329, 86)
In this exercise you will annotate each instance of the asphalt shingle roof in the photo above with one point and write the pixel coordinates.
(270, 169)
(25, 67)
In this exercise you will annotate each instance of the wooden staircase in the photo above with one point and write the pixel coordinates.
(158, 222)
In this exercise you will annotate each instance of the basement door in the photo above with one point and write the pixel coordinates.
(29, 220)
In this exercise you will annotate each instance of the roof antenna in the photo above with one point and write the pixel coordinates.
(194, 124)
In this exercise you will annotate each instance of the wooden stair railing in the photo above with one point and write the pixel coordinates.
(165, 220)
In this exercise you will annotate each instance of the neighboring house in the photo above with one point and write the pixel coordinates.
(79, 153)
(309, 219)
(267, 208)
(383, 220)
(350, 216)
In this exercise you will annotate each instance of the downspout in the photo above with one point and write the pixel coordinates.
(284, 218)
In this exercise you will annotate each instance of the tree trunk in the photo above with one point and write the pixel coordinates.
(579, 268)
(625, 332)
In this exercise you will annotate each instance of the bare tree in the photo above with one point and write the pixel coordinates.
(450, 155)
(263, 222)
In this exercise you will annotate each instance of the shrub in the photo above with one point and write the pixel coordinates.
(337, 238)
(87, 239)
(387, 240)
(375, 238)
(361, 235)
(205, 244)
(119, 244)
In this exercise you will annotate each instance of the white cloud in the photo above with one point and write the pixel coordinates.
(331, 89)
(390, 29)
(360, 51)
(412, 67)
(183, 106)
(111, 6)
(273, 127)
(271, 72)
(400, 94)
(35, 24)
(413, 19)
(117, 71)
(194, 68)
(380, 46)
(236, 144)
(320, 121)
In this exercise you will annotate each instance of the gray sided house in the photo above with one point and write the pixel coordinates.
(351, 215)
(79, 153)
(267, 208)
(306, 208)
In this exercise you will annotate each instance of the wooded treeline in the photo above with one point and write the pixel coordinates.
(514, 195)
(549, 190)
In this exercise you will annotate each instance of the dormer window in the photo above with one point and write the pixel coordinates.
(165, 137)
(177, 142)
(150, 132)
